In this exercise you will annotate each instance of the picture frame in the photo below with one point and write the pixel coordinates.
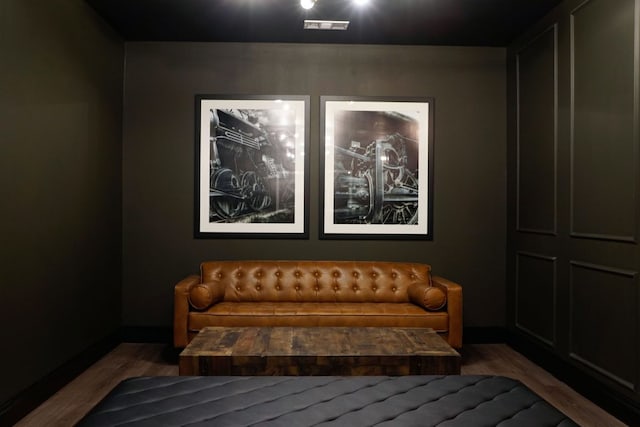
(251, 166)
(372, 150)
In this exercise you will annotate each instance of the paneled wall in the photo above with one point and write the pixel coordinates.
(574, 190)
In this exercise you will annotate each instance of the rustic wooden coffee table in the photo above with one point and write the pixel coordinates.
(318, 351)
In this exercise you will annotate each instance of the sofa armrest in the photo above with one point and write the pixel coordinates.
(181, 309)
(454, 309)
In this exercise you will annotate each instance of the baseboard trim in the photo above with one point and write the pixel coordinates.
(29, 399)
(618, 405)
(484, 335)
(146, 334)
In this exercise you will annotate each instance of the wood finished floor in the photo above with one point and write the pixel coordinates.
(72, 402)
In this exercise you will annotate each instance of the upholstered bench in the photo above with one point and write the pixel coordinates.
(453, 401)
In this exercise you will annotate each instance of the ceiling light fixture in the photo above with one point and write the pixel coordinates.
(307, 4)
(311, 24)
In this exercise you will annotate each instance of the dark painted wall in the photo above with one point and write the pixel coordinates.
(161, 79)
(60, 184)
(574, 191)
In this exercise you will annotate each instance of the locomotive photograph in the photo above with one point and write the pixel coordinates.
(251, 156)
(377, 174)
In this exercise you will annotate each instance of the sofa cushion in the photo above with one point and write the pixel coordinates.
(318, 314)
(432, 298)
(203, 295)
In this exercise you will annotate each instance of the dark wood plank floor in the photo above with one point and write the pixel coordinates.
(72, 402)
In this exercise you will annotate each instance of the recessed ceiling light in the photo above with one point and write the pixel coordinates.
(311, 24)
(307, 4)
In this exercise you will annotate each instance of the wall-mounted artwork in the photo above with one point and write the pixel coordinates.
(251, 166)
(378, 168)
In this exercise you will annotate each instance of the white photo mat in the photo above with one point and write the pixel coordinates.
(292, 116)
(418, 114)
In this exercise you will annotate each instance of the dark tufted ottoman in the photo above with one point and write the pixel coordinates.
(324, 401)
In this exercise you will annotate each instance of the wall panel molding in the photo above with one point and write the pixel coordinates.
(596, 234)
(603, 325)
(604, 143)
(532, 54)
(523, 290)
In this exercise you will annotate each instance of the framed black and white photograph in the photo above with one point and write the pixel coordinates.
(251, 166)
(377, 168)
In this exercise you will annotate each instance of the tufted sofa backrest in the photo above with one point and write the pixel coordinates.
(315, 281)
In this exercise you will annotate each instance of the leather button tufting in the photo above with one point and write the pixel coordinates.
(316, 288)
(258, 287)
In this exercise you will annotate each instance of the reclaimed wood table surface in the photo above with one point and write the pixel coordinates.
(318, 351)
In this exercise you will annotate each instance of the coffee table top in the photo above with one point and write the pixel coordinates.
(317, 341)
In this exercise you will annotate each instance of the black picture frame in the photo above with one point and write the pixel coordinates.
(372, 149)
(252, 166)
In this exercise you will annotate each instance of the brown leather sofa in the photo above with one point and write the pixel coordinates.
(316, 293)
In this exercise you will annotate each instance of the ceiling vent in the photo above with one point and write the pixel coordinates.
(310, 24)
